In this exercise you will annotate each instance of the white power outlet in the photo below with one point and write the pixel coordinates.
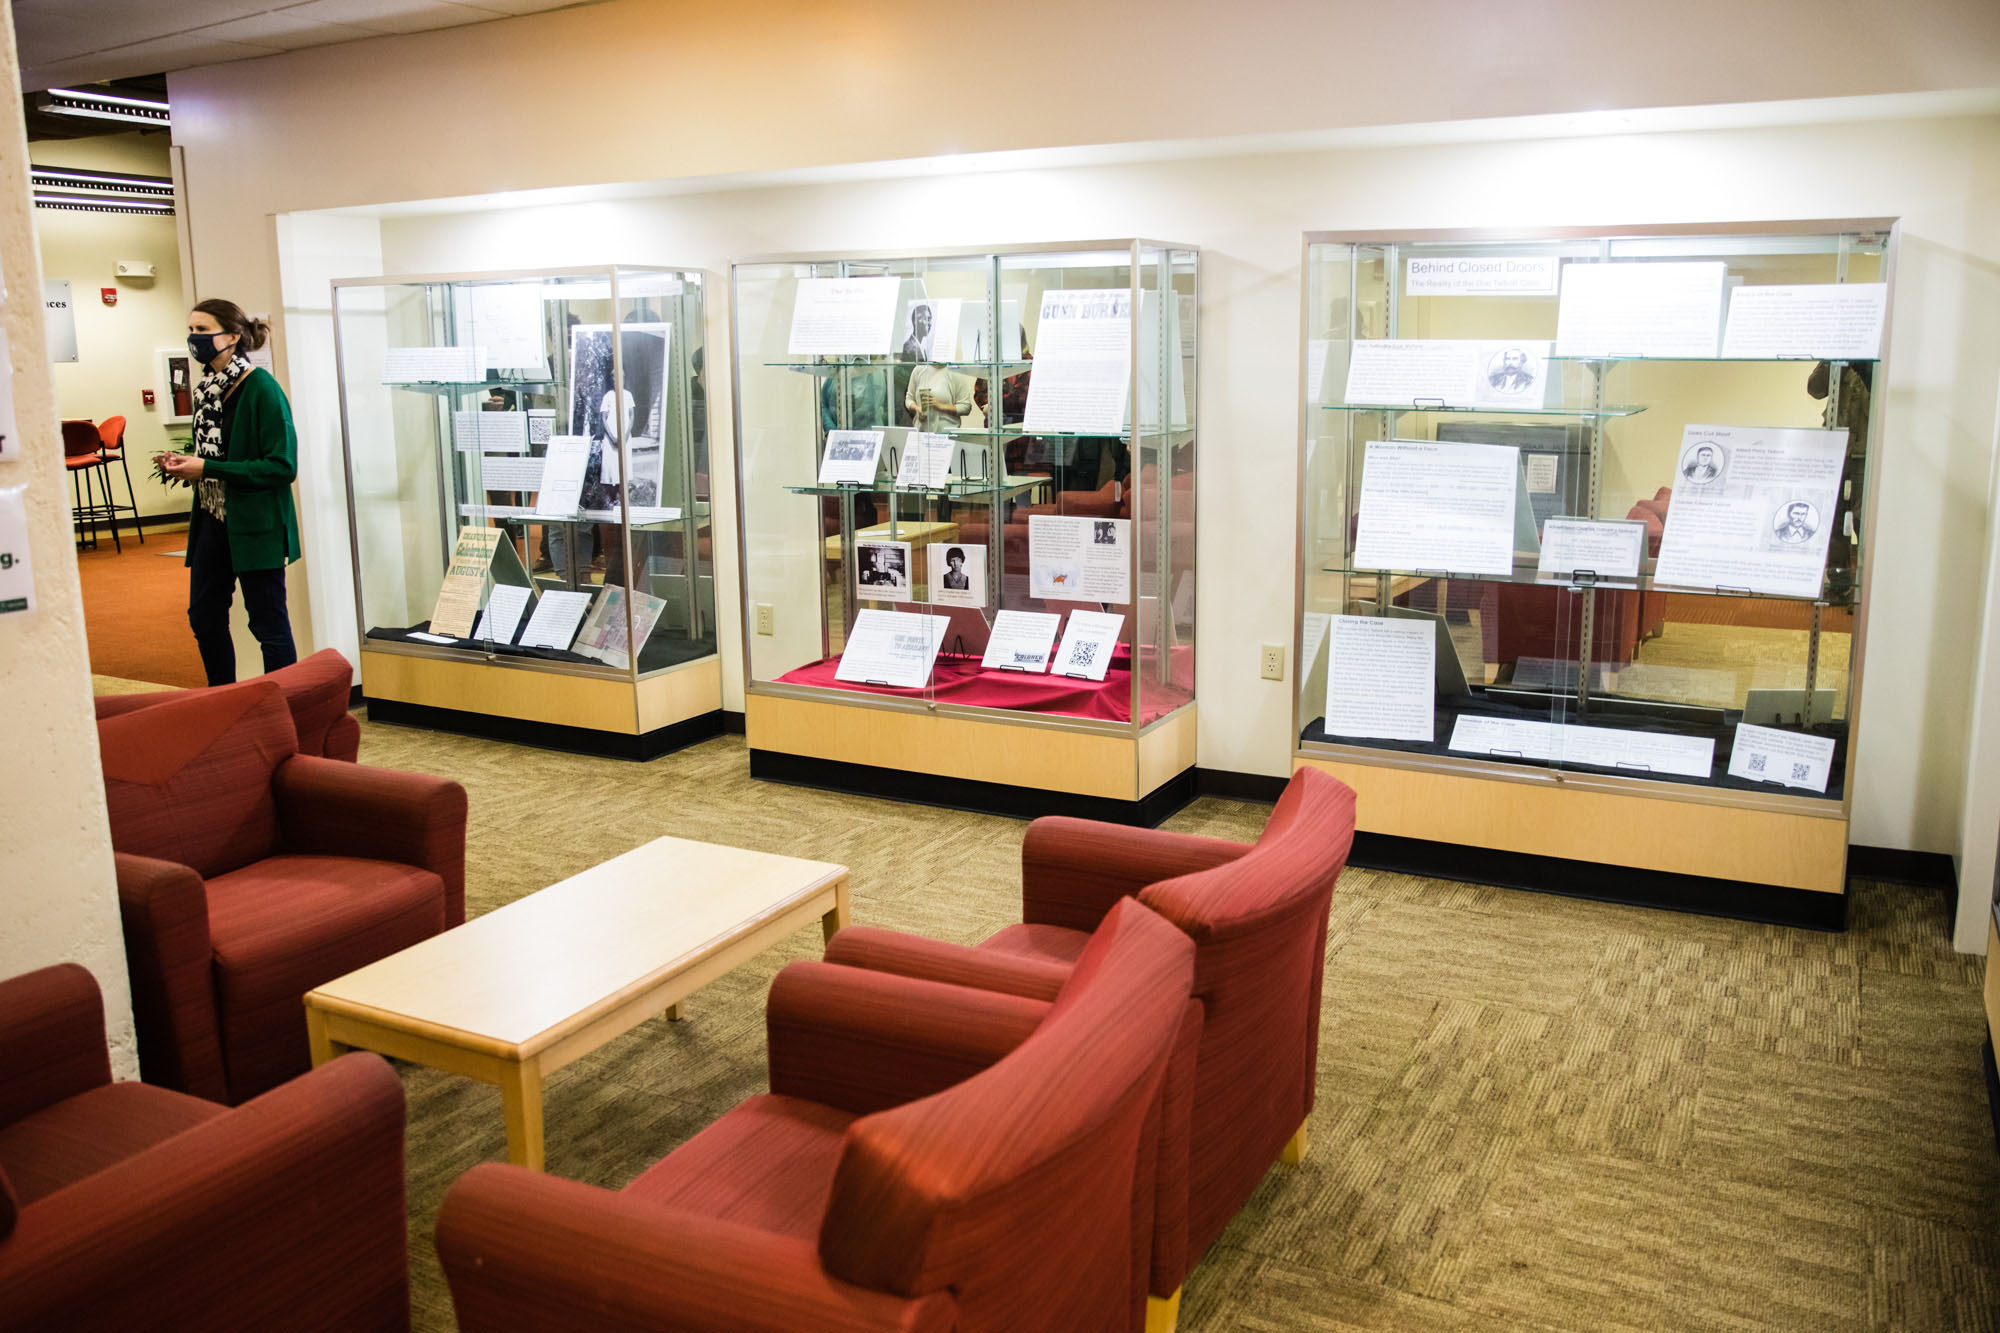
(767, 618)
(1271, 661)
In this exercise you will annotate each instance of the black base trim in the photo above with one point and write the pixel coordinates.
(1992, 1090)
(1233, 786)
(1613, 884)
(1932, 870)
(734, 723)
(989, 798)
(549, 735)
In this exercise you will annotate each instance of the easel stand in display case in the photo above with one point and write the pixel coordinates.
(532, 446)
(837, 358)
(1707, 399)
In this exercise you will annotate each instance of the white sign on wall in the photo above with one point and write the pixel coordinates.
(61, 317)
(1481, 275)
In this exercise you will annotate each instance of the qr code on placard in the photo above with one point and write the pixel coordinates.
(1083, 654)
(1756, 763)
(1799, 772)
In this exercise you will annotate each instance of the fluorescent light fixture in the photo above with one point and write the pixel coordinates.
(106, 106)
(86, 95)
(104, 204)
(49, 176)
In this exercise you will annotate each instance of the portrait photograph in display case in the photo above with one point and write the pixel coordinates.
(634, 412)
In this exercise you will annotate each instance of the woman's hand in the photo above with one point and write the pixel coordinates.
(181, 467)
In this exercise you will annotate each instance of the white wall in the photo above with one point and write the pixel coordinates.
(614, 89)
(118, 346)
(57, 884)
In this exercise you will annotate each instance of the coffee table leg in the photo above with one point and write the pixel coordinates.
(673, 1013)
(521, 1094)
(837, 918)
(324, 1048)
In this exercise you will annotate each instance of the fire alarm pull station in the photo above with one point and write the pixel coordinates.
(110, 295)
(146, 397)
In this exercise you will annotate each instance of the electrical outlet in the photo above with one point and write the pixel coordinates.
(767, 618)
(1272, 660)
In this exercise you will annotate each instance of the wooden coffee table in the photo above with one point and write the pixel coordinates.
(512, 996)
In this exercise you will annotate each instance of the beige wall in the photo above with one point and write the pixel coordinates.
(56, 881)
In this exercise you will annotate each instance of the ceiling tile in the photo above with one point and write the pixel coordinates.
(121, 23)
(283, 31)
(46, 35)
(529, 6)
(394, 15)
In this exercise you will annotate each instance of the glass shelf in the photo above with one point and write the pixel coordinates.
(829, 365)
(1527, 576)
(461, 386)
(1179, 434)
(1728, 360)
(1608, 410)
(951, 490)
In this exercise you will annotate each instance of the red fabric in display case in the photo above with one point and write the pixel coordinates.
(962, 681)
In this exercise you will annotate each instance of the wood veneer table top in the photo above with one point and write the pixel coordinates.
(522, 976)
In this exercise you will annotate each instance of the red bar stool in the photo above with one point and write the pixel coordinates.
(83, 455)
(111, 431)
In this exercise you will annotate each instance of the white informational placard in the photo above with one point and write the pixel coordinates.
(59, 319)
(563, 467)
(505, 318)
(1822, 321)
(485, 512)
(1431, 506)
(603, 633)
(1087, 644)
(510, 472)
(851, 456)
(10, 438)
(504, 606)
(17, 575)
(957, 573)
(1448, 372)
(1021, 641)
(1608, 548)
(1753, 509)
(1316, 353)
(433, 365)
(1316, 625)
(926, 461)
(844, 317)
(1542, 472)
(1381, 678)
(891, 648)
(882, 571)
(1480, 275)
(1789, 758)
(464, 582)
(929, 328)
(1640, 309)
(1083, 362)
(1080, 559)
(491, 432)
(1598, 747)
(421, 637)
(557, 614)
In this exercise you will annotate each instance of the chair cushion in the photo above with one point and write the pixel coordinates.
(317, 690)
(767, 1164)
(283, 925)
(189, 780)
(82, 1135)
(1048, 944)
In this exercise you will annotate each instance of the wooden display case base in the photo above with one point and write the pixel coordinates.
(551, 710)
(1760, 865)
(998, 767)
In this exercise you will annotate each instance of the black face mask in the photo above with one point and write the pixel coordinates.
(202, 346)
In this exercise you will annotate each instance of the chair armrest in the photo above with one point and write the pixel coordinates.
(330, 808)
(51, 1039)
(1074, 870)
(286, 1212)
(529, 1253)
(932, 960)
(115, 705)
(164, 908)
(343, 739)
(865, 1041)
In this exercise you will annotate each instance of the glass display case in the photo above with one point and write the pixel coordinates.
(968, 523)
(1583, 576)
(527, 467)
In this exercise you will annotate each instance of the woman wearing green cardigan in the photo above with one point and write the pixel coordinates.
(243, 528)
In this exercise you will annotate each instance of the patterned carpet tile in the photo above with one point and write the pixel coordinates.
(1900, 929)
(1236, 1291)
(1927, 1276)
(1483, 958)
(1921, 1023)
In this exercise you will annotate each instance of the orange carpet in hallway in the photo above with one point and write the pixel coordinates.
(135, 610)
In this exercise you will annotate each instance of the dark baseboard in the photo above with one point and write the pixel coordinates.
(549, 735)
(990, 798)
(733, 723)
(354, 696)
(1930, 870)
(1615, 884)
(1232, 786)
(1992, 1091)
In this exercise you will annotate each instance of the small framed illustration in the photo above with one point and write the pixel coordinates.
(176, 374)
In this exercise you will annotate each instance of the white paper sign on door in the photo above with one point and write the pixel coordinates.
(17, 575)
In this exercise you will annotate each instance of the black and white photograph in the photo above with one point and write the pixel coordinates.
(1511, 371)
(606, 414)
(1703, 464)
(1104, 532)
(882, 570)
(850, 456)
(919, 327)
(957, 574)
(850, 450)
(1795, 523)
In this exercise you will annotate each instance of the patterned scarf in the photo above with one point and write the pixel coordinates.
(208, 395)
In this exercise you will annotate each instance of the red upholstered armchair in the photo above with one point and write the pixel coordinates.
(1257, 916)
(248, 874)
(316, 690)
(125, 1206)
(930, 1157)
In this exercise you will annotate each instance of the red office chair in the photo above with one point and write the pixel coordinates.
(83, 455)
(111, 431)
